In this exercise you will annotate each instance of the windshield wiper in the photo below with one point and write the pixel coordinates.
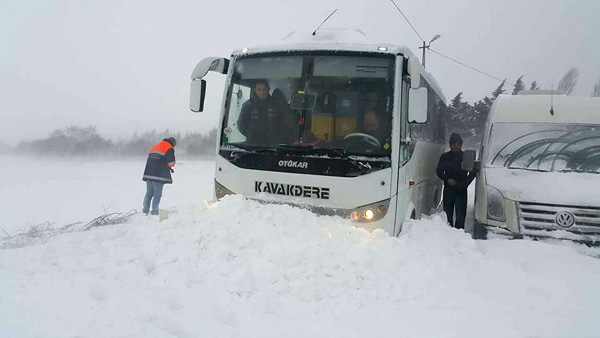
(312, 150)
(529, 169)
(361, 168)
(579, 171)
(337, 152)
(246, 148)
(296, 148)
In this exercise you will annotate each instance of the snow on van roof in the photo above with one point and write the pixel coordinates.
(338, 39)
(536, 108)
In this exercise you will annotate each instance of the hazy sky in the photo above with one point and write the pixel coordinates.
(125, 65)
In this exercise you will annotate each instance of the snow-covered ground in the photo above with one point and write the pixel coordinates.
(63, 191)
(243, 269)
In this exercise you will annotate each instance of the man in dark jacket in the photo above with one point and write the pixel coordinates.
(265, 120)
(456, 182)
(159, 166)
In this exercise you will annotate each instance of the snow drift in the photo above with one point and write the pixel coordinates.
(239, 268)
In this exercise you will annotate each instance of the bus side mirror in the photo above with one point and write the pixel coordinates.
(414, 70)
(198, 87)
(197, 93)
(468, 161)
(417, 105)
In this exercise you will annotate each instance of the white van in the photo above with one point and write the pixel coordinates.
(540, 168)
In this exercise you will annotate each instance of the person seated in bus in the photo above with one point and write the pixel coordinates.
(265, 120)
(376, 125)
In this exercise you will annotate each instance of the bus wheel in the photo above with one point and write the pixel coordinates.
(412, 216)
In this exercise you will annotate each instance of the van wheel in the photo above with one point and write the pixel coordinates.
(479, 231)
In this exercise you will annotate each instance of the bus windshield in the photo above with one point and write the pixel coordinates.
(303, 102)
(545, 147)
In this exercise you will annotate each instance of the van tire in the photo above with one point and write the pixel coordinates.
(479, 231)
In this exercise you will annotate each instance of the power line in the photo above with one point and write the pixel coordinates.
(440, 54)
(472, 68)
(405, 18)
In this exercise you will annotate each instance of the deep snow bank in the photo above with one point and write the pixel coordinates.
(243, 269)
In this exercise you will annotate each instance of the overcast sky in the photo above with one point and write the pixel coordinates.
(125, 65)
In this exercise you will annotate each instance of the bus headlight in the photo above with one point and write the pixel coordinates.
(221, 191)
(495, 204)
(370, 212)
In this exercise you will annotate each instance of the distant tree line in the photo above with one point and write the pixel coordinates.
(462, 117)
(5, 149)
(86, 141)
(469, 119)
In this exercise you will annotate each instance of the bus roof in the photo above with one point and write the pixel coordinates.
(536, 108)
(350, 40)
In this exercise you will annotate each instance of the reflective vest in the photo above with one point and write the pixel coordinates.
(159, 163)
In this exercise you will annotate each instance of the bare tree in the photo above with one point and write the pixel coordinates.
(596, 91)
(569, 81)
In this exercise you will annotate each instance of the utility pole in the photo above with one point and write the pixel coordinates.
(426, 46)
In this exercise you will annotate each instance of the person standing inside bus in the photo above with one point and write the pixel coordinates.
(264, 119)
(456, 182)
(159, 167)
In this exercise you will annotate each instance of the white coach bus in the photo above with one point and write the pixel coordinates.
(340, 128)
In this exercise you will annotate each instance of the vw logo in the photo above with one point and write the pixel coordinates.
(564, 219)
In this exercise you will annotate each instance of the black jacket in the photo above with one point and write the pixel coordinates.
(449, 167)
(160, 160)
(266, 122)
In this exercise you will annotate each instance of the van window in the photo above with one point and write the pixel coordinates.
(545, 147)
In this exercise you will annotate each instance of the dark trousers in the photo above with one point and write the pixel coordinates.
(455, 199)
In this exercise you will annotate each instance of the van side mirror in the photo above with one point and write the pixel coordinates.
(417, 105)
(468, 161)
(197, 94)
